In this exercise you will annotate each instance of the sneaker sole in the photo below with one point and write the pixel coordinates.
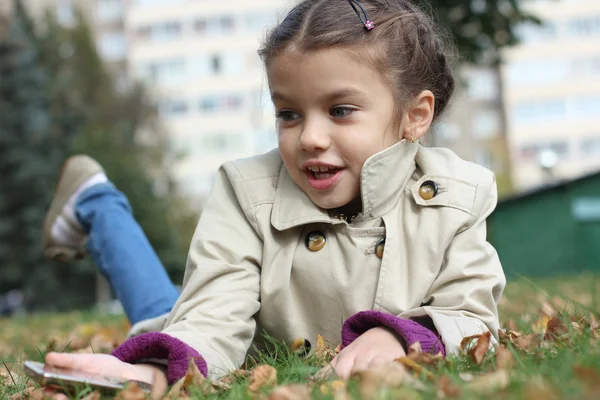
(64, 189)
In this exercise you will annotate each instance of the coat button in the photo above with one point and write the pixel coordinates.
(380, 248)
(315, 241)
(428, 190)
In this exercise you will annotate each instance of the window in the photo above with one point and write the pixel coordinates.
(110, 10)
(532, 151)
(211, 104)
(222, 142)
(532, 33)
(165, 72)
(215, 63)
(584, 107)
(214, 25)
(539, 71)
(171, 108)
(589, 26)
(258, 22)
(112, 46)
(549, 110)
(486, 124)
(160, 32)
(232, 63)
(591, 146)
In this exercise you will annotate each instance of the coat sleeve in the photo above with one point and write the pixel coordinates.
(463, 299)
(215, 314)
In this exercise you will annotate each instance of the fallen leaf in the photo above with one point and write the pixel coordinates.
(478, 352)
(556, 327)
(132, 392)
(538, 388)
(466, 342)
(446, 388)
(320, 347)
(337, 349)
(290, 392)
(490, 383)
(504, 358)
(434, 360)
(30, 393)
(234, 377)
(528, 342)
(371, 381)
(193, 376)
(415, 348)
(541, 324)
(262, 376)
(332, 387)
(417, 368)
(547, 309)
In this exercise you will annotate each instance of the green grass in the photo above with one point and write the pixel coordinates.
(568, 367)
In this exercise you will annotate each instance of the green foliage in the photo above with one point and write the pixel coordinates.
(479, 27)
(57, 99)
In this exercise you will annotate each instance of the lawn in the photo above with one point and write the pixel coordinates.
(550, 351)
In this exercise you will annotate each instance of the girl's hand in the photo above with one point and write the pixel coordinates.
(107, 365)
(374, 347)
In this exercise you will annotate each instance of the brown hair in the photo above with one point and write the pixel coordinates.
(405, 45)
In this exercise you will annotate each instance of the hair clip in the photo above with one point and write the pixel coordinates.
(364, 18)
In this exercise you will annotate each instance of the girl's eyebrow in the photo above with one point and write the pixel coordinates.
(337, 94)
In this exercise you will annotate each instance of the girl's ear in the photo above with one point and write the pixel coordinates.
(419, 116)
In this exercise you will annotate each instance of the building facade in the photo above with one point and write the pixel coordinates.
(552, 93)
(200, 58)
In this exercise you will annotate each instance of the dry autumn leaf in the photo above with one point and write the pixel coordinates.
(415, 348)
(504, 358)
(332, 387)
(29, 393)
(290, 392)
(478, 352)
(132, 392)
(371, 381)
(555, 328)
(262, 376)
(320, 347)
(490, 383)
(528, 342)
(446, 388)
(414, 366)
(590, 377)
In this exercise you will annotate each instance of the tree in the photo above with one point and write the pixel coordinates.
(56, 99)
(480, 28)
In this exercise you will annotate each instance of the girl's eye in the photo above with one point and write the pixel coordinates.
(341, 112)
(287, 115)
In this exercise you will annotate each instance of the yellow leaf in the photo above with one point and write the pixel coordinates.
(132, 392)
(290, 392)
(320, 347)
(262, 376)
(504, 358)
(387, 375)
(478, 352)
(490, 383)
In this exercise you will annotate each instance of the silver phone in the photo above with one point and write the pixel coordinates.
(68, 379)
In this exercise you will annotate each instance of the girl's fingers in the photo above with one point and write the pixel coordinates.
(344, 366)
(378, 360)
(62, 360)
(52, 394)
(361, 363)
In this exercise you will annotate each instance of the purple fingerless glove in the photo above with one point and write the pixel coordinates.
(156, 345)
(410, 331)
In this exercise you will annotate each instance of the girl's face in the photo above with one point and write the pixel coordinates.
(333, 113)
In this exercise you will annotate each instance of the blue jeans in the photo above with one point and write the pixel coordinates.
(123, 254)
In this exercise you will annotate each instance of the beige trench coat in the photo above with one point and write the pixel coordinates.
(249, 270)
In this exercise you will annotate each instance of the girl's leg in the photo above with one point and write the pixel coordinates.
(87, 205)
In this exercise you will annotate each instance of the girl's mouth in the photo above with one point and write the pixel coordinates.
(323, 178)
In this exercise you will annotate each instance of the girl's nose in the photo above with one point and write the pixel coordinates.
(314, 137)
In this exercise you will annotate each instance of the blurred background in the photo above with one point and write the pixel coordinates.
(162, 92)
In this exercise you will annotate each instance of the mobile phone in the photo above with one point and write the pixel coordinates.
(68, 379)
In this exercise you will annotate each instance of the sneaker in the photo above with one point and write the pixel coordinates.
(63, 236)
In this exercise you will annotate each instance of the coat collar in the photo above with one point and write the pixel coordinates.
(383, 179)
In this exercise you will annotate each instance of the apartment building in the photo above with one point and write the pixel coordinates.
(200, 58)
(552, 93)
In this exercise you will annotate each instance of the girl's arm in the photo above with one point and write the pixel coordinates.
(213, 319)
(462, 300)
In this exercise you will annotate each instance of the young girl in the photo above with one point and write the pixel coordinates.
(351, 229)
